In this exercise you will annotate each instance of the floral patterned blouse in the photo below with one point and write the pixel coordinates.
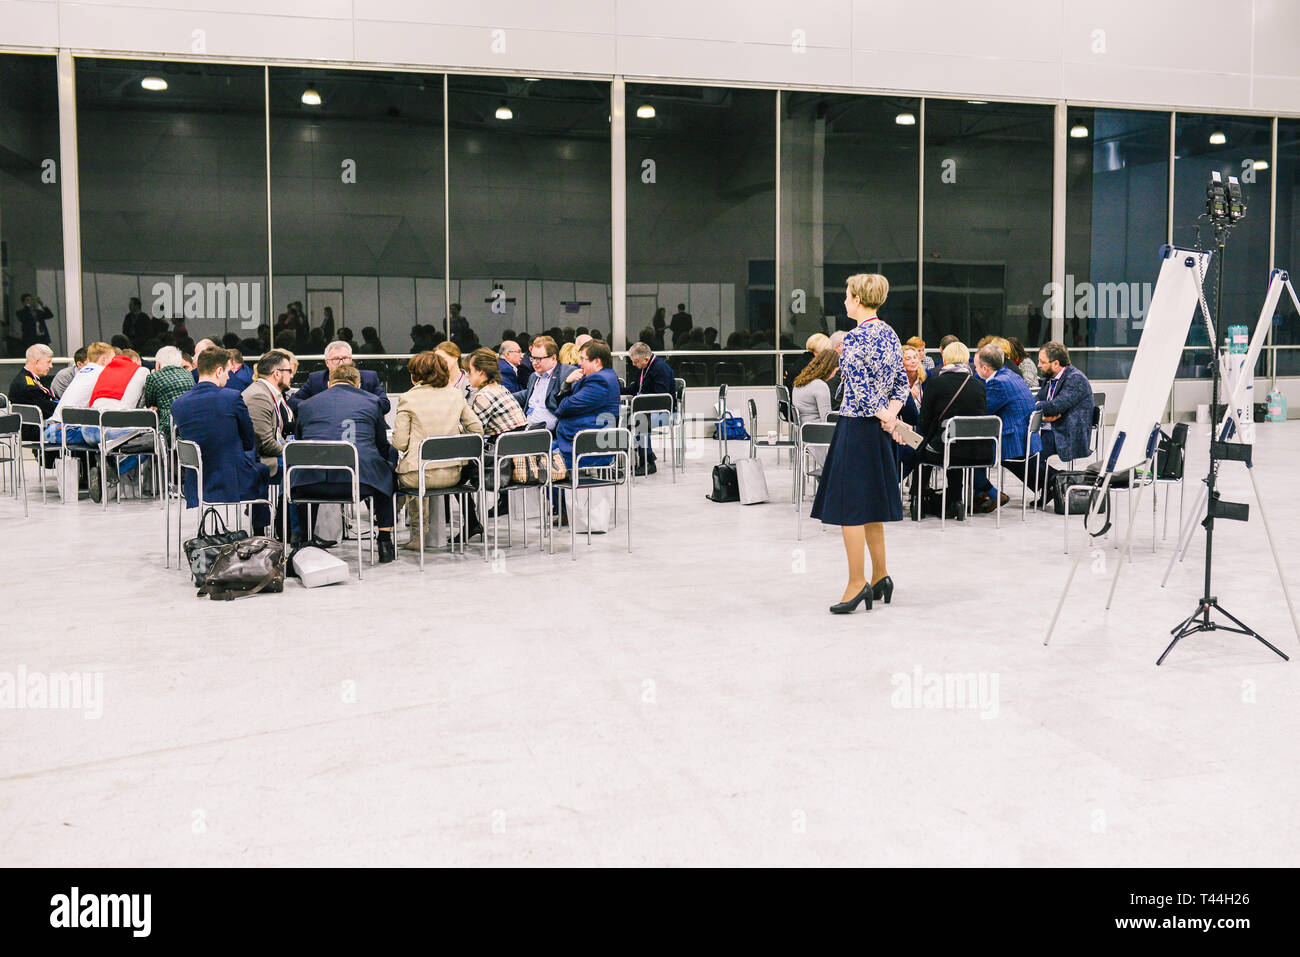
(872, 367)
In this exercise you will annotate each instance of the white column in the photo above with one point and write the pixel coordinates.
(618, 210)
(1059, 169)
(74, 336)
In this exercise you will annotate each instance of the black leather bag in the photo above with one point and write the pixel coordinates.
(213, 535)
(245, 568)
(1078, 498)
(726, 487)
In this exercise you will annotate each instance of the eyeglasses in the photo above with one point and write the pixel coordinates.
(537, 358)
(285, 369)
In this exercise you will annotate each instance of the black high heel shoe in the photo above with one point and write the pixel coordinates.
(883, 589)
(846, 607)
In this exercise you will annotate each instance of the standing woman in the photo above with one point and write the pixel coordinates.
(859, 485)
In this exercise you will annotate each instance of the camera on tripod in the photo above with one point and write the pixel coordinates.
(1224, 203)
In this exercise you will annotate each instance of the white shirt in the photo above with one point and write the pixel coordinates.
(537, 410)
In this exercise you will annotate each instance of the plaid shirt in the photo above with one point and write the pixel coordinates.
(497, 409)
(162, 387)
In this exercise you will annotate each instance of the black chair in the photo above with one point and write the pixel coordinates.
(812, 436)
(524, 444)
(976, 429)
(446, 450)
(335, 456)
(34, 425)
(784, 414)
(11, 451)
(144, 422)
(600, 443)
(1030, 461)
(1171, 468)
(84, 418)
(645, 410)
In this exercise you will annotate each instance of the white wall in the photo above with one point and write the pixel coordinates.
(1154, 52)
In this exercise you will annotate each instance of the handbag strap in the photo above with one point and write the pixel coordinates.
(934, 431)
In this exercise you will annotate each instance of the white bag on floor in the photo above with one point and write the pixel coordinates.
(602, 509)
(329, 523)
(65, 474)
(315, 567)
(752, 481)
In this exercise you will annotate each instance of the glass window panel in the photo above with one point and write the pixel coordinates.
(173, 201)
(1117, 208)
(357, 212)
(1286, 324)
(31, 211)
(701, 224)
(530, 208)
(849, 204)
(1245, 279)
(988, 221)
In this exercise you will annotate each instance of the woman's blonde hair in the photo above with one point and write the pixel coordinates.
(569, 354)
(817, 342)
(920, 360)
(870, 288)
(955, 352)
(823, 366)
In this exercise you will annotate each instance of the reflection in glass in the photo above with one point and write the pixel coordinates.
(701, 231)
(1248, 141)
(849, 202)
(1116, 221)
(530, 209)
(1286, 324)
(173, 203)
(357, 210)
(31, 212)
(988, 221)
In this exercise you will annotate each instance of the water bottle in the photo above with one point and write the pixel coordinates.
(1276, 407)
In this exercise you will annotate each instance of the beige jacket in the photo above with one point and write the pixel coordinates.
(424, 412)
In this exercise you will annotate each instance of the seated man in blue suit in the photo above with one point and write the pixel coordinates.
(217, 420)
(240, 376)
(337, 354)
(588, 400)
(1065, 398)
(541, 393)
(1007, 396)
(510, 361)
(653, 376)
(344, 412)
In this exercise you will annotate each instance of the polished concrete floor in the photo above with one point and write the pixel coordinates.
(689, 703)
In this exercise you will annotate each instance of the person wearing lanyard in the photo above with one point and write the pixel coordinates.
(655, 378)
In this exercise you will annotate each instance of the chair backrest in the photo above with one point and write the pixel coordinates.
(11, 423)
(1035, 422)
(445, 448)
(734, 371)
(816, 433)
(1096, 416)
(532, 442)
(753, 416)
(601, 441)
(832, 417)
(1178, 436)
(4, 401)
(1099, 398)
(679, 390)
(31, 414)
(784, 408)
(967, 428)
(189, 455)
(320, 455)
(130, 419)
(653, 402)
(782, 394)
(73, 416)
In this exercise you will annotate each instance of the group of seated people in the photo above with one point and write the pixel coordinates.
(1001, 381)
(241, 417)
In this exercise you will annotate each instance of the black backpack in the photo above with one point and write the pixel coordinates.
(726, 487)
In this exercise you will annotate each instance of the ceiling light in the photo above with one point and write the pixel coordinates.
(311, 97)
(531, 79)
(1260, 164)
(1217, 138)
(504, 112)
(646, 112)
(905, 119)
(978, 102)
(1078, 131)
(155, 83)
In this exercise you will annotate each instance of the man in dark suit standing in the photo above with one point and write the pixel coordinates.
(541, 393)
(217, 419)
(653, 376)
(681, 324)
(1065, 398)
(32, 317)
(345, 412)
(337, 354)
(1007, 396)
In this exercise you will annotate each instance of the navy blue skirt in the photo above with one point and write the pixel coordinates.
(859, 483)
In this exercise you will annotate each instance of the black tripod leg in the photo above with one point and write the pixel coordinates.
(1247, 630)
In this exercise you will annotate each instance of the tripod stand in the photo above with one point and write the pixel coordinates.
(1220, 450)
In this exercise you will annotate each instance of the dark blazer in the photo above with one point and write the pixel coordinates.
(328, 415)
(26, 389)
(1072, 401)
(655, 379)
(558, 375)
(590, 403)
(508, 377)
(218, 421)
(969, 400)
(32, 322)
(1007, 396)
(241, 380)
(318, 383)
